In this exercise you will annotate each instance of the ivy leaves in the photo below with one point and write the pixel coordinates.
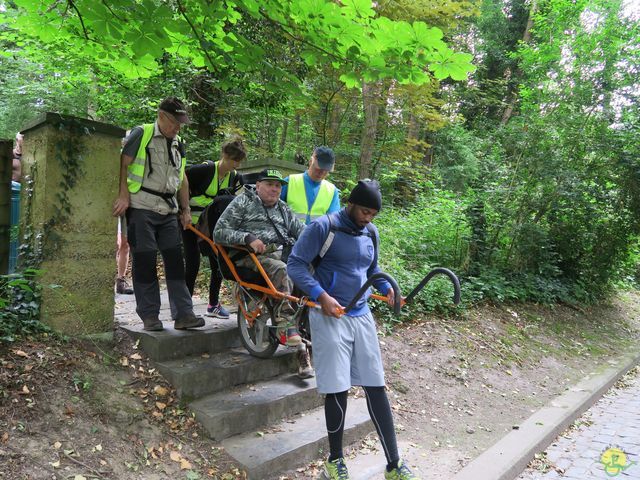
(133, 37)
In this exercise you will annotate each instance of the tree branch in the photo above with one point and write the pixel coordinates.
(113, 13)
(298, 39)
(183, 12)
(84, 29)
(326, 112)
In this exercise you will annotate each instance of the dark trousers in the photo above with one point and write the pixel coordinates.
(192, 266)
(149, 232)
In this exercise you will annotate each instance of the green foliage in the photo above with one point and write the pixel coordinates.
(550, 192)
(20, 306)
(433, 232)
(525, 180)
(349, 36)
(82, 382)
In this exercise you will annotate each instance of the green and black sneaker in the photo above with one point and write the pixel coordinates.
(336, 470)
(401, 472)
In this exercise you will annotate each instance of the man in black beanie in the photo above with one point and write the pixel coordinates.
(346, 351)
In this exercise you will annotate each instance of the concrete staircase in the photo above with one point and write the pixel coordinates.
(265, 417)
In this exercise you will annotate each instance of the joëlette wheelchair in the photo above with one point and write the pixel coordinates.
(257, 299)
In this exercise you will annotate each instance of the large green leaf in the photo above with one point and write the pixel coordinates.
(454, 65)
(362, 8)
(350, 79)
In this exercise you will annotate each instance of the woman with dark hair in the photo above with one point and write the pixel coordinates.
(206, 181)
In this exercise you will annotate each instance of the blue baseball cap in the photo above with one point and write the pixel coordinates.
(325, 158)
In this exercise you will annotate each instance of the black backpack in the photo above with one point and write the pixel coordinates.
(208, 219)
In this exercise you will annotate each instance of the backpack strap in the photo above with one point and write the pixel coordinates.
(374, 239)
(230, 190)
(328, 241)
(333, 228)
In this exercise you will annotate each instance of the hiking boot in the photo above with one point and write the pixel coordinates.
(218, 311)
(152, 324)
(122, 286)
(305, 370)
(289, 336)
(401, 472)
(335, 470)
(188, 321)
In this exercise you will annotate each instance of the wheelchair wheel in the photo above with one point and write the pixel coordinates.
(256, 335)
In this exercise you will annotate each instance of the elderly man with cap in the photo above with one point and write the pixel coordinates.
(309, 194)
(154, 195)
(346, 352)
(260, 220)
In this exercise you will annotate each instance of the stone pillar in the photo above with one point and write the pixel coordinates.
(70, 178)
(5, 203)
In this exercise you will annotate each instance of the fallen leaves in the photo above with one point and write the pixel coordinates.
(39, 369)
(160, 391)
(178, 458)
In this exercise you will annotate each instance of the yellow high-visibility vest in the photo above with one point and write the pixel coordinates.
(200, 202)
(297, 198)
(135, 171)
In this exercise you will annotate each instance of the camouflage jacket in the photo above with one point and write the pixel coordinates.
(245, 219)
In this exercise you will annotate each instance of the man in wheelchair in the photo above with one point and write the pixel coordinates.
(264, 223)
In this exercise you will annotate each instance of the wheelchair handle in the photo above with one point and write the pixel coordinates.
(429, 276)
(397, 302)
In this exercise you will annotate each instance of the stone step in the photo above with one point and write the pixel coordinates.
(169, 344)
(197, 376)
(294, 442)
(250, 407)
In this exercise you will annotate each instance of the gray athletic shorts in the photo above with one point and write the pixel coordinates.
(346, 352)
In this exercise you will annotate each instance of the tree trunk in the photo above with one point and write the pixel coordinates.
(413, 129)
(333, 136)
(371, 108)
(283, 134)
(512, 96)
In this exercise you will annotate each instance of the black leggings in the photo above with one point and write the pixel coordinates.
(335, 409)
(192, 266)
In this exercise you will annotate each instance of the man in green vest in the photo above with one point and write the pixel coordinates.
(154, 195)
(308, 194)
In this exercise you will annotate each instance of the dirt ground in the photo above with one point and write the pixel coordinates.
(98, 410)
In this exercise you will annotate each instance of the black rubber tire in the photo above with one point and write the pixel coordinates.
(267, 344)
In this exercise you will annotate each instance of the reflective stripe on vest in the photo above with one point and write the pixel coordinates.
(200, 202)
(297, 198)
(135, 171)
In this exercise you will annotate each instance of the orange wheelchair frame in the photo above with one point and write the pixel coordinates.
(270, 295)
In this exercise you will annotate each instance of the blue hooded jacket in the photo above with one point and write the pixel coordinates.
(345, 267)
